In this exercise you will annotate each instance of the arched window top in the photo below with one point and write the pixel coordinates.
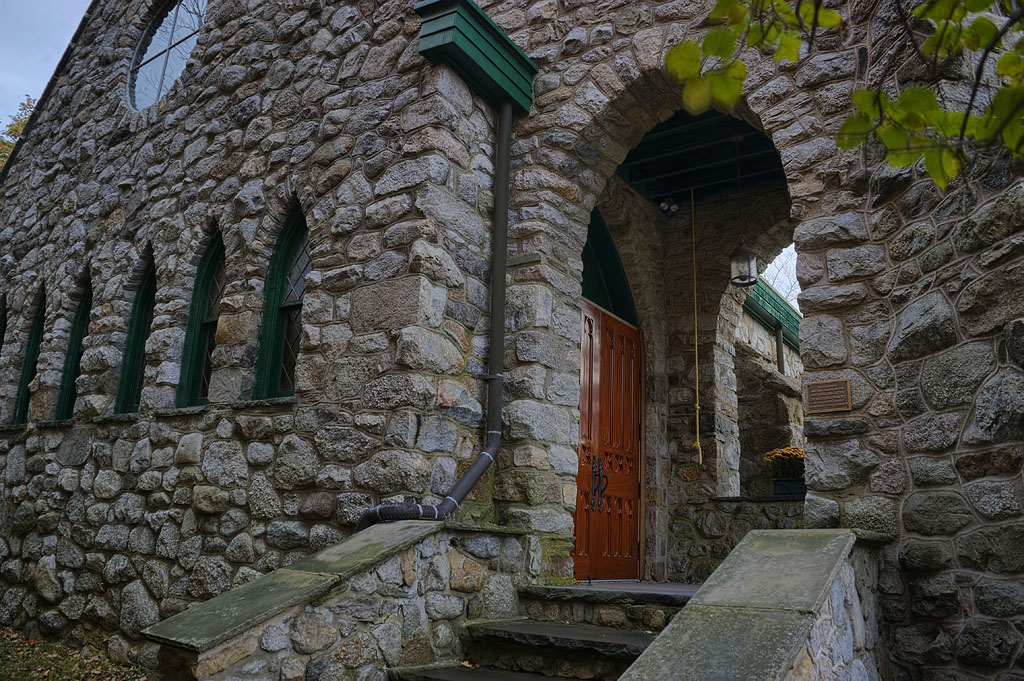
(282, 310)
(200, 336)
(133, 363)
(161, 56)
(29, 362)
(73, 358)
(604, 279)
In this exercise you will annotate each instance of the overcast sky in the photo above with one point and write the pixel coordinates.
(35, 34)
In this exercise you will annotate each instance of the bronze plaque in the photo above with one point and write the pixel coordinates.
(825, 396)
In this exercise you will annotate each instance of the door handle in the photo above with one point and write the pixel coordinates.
(598, 485)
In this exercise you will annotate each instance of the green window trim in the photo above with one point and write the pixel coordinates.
(278, 342)
(30, 362)
(200, 335)
(133, 362)
(604, 278)
(3, 324)
(771, 310)
(73, 358)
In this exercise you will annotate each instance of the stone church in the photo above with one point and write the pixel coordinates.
(358, 339)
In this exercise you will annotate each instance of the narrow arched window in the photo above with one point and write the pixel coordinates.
(200, 336)
(133, 362)
(29, 361)
(282, 310)
(73, 358)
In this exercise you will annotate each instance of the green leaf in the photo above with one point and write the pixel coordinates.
(900, 159)
(720, 42)
(722, 8)
(697, 95)
(945, 40)
(949, 123)
(977, 5)
(918, 99)
(855, 131)
(916, 107)
(789, 47)
(1013, 135)
(1009, 65)
(824, 18)
(738, 70)
(829, 18)
(755, 37)
(942, 165)
(894, 137)
(739, 16)
(725, 89)
(806, 11)
(682, 61)
(981, 34)
(786, 13)
(866, 102)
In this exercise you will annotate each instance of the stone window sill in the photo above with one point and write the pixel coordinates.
(117, 418)
(181, 411)
(62, 423)
(288, 401)
(13, 427)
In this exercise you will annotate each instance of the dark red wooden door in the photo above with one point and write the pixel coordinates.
(611, 403)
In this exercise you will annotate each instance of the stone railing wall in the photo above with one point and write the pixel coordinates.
(795, 605)
(392, 595)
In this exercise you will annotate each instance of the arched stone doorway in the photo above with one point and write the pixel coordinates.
(649, 250)
(566, 157)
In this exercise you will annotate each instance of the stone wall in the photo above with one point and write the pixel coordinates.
(113, 521)
(405, 610)
(930, 459)
(703, 534)
(843, 639)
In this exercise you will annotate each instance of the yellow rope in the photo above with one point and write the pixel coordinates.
(696, 356)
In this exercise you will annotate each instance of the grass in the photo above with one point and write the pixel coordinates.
(25, 659)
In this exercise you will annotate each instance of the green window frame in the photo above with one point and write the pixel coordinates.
(3, 324)
(29, 365)
(281, 327)
(133, 362)
(201, 333)
(73, 358)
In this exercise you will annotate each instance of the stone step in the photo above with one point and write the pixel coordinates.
(622, 605)
(587, 638)
(620, 593)
(467, 674)
(573, 651)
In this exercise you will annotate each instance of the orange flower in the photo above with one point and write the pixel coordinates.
(786, 462)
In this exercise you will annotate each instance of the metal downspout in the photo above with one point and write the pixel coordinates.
(386, 513)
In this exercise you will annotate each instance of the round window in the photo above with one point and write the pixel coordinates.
(162, 54)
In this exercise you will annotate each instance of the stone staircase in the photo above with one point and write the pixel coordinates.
(589, 631)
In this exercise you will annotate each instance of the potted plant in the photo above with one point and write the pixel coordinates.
(787, 470)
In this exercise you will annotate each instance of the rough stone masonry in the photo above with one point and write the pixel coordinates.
(111, 522)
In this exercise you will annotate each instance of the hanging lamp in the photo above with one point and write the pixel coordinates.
(743, 266)
(743, 261)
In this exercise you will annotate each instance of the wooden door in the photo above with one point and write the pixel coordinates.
(611, 404)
